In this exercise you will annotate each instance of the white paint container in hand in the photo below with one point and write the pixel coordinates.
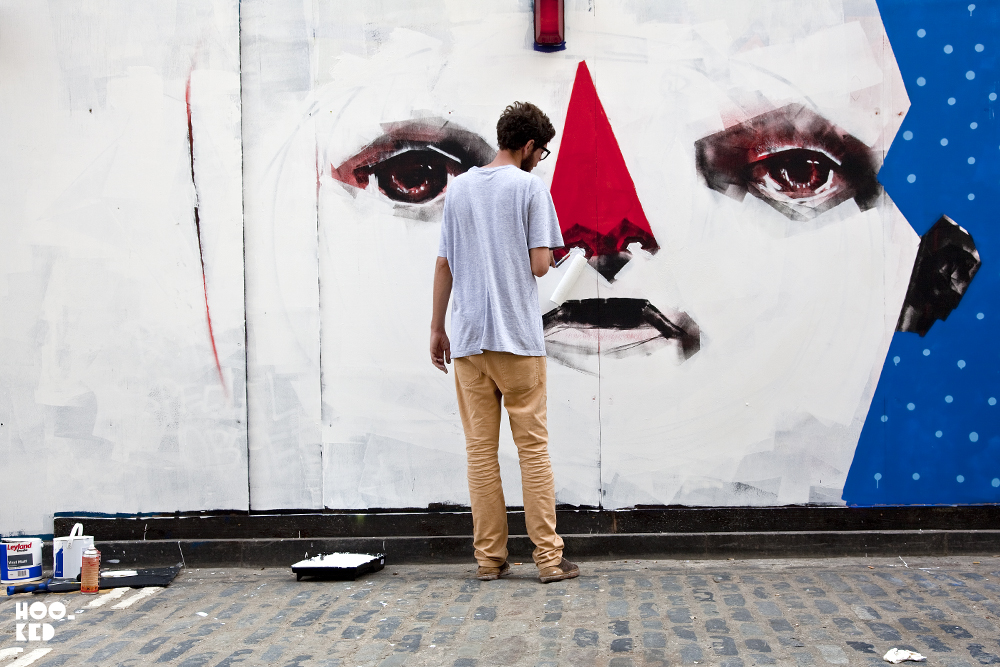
(20, 560)
(67, 553)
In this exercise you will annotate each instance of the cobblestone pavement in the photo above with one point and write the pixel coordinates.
(845, 611)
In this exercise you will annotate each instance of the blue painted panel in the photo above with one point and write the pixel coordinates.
(932, 435)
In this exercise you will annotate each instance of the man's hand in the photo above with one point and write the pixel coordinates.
(440, 350)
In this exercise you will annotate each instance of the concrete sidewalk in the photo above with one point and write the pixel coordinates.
(844, 611)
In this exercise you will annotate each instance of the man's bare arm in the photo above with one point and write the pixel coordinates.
(440, 345)
(541, 260)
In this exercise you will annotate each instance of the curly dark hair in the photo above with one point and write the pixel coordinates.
(522, 122)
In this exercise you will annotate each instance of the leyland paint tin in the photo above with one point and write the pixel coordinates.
(20, 560)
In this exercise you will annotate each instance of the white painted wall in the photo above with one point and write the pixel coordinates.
(796, 317)
(110, 400)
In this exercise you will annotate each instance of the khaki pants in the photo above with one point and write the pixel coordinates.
(482, 380)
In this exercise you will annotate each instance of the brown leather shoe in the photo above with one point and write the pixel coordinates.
(564, 570)
(491, 573)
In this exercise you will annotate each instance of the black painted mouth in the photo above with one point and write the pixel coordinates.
(618, 327)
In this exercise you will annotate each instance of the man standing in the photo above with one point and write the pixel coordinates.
(497, 236)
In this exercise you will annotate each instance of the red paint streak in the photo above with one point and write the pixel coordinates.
(211, 336)
(592, 189)
(197, 228)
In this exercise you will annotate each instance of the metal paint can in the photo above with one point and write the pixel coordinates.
(20, 560)
(67, 553)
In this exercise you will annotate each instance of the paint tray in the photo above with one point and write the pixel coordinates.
(338, 566)
(153, 576)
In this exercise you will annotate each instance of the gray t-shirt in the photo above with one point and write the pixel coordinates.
(492, 217)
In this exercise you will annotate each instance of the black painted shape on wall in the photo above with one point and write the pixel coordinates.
(625, 314)
(946, 263)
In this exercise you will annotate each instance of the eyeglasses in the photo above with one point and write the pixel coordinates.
(545, 154)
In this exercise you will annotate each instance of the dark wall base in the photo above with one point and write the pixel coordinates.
(422, 536)
(458, 522)
(458, 549)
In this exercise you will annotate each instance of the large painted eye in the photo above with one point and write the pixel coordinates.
(413, 176)
(412, 160)
(791, 158)
(800, 174)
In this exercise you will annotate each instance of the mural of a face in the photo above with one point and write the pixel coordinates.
(752, 134)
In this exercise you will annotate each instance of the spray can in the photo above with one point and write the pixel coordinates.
(90, 572)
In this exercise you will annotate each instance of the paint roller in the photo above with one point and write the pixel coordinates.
(577, 263)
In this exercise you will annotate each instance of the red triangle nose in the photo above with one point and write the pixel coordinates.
(593, 192)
